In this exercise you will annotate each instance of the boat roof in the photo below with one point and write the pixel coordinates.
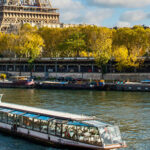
(95, 123)
(53, 114)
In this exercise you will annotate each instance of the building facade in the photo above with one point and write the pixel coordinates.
(14, 13)
(49, 65)
(65, 65)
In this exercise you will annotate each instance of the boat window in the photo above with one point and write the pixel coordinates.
(81, 130)
(18, 117)
(58, 129)
(10, 118)
(36, 124)
(44, 126)
(69, 132)
(27, 122)
(3, 113)
(41, 123)
(110, 135)
(115, 134)
(52, 125)
(1, 116)
(4, 117)
(88, 135)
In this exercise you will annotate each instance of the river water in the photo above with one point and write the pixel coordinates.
(131, 110)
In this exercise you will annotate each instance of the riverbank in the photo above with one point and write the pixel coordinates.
(79, 81)
(133, 77)
(82, 85)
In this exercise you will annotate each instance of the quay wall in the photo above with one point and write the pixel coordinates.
(95, 76)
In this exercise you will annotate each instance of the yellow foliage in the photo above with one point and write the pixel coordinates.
(126, 45)
(125, 59)
(3, 76)
(29, 45)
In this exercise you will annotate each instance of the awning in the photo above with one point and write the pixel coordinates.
(43, 118)
(17, 112)
(6, 110)
(30, 115)
(75, 123)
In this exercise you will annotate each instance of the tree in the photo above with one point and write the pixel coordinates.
(132, 42)
(7, 42)
(52, 38)
(90, 36)
(102, 48)
(121, 57)
(125, 59)
(29, 45)
(74, 44)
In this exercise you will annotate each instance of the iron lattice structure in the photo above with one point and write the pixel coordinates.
(14, 13)
(40, 3)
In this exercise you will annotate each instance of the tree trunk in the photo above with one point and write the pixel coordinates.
(20, 70)
(78, 53)
(103, 70)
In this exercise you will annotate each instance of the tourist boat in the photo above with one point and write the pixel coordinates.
(52, 127)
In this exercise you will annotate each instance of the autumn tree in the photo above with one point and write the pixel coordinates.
(126, 46)
(52, 38)
(102, 47)
(7, 43)
(29, 45)
(135, 41)
(90, 36)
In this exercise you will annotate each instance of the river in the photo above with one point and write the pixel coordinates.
(131, 110)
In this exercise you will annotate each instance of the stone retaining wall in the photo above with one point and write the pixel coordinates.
(96, 76)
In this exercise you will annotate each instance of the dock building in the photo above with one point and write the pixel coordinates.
(64, 65)
(49, 65)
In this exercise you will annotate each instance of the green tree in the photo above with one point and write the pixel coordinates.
(74, 44)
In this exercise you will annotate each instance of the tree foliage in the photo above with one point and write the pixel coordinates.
(102, 46)
(73, 45)
(124, 45)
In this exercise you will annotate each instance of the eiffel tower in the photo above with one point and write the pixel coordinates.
(14, 13)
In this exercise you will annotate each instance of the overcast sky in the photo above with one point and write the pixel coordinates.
(108, 13)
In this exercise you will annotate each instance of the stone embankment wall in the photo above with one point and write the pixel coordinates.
(96, 76)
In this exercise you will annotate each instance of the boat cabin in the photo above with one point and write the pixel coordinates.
(91, 132)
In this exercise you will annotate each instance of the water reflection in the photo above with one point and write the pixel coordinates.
(130, 110)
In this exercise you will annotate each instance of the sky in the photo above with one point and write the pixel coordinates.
(107, 13)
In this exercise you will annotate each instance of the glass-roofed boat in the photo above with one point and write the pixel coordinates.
(52, 127)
